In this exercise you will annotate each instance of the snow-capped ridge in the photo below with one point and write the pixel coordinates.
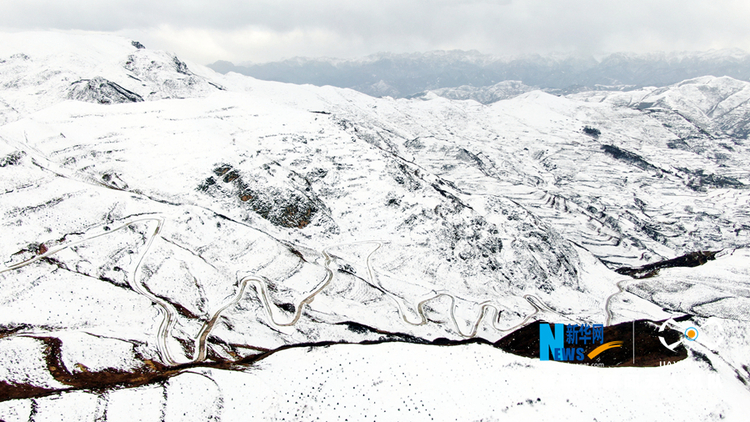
(38, 69)
(708, 104)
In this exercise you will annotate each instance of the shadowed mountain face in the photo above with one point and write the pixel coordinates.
(402, 75)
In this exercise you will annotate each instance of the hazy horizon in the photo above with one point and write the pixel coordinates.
(503, 57)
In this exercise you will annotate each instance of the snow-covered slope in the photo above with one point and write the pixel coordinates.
(162, 221)
(485, 95)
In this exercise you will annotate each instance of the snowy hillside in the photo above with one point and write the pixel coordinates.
(486, 95)
(180, 244)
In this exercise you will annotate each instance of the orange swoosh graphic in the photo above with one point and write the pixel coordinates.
(612, 344)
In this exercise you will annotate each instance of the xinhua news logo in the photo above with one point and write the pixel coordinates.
(636, 343)
(569, 343)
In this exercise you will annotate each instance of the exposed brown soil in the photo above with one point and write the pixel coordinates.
(150, 372)
(643, 334)
(21, 391)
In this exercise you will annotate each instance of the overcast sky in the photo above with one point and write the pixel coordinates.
(266, 30)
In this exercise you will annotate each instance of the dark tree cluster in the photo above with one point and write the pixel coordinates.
(591, 131)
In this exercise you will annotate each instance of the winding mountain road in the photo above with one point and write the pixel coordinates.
(539, 306)
(165, 308)
(169, 313)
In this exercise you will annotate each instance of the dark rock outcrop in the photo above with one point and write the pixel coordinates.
(291, 206)
(101, 91)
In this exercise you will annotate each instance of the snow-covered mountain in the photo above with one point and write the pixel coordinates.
(404, 75)
(486, 95)
(181, 244)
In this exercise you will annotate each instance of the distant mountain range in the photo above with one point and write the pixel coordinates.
(403, 75)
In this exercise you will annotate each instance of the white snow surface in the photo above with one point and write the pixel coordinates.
(167, 213)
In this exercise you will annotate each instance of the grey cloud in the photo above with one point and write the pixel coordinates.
(366, 26)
